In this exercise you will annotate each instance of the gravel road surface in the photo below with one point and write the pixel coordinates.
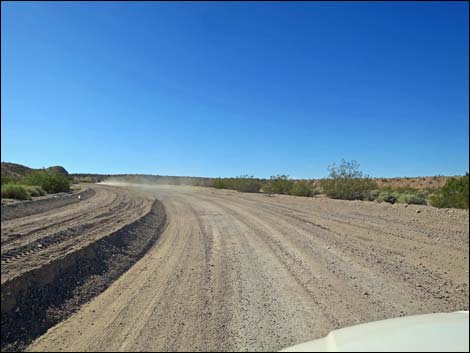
(237, 271)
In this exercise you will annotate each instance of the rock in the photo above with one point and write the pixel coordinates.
(418, 211)
(405, 205)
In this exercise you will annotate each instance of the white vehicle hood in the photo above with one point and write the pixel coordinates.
(433, 332)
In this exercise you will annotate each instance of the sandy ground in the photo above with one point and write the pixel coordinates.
(235, 271)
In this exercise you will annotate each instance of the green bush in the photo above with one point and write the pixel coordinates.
(219, 183)
(40, 190)
(402, 195)
(454, 194)
(301, 188)
(50, 181)
(412, 198)
(35, 191)
(7, 179)
(14, 191)
(387, 196)
(247, 184)
(372, 195)
(347, 182)
(279, 184)
(243, 183)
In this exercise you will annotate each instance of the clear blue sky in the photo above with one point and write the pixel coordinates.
(221, 89)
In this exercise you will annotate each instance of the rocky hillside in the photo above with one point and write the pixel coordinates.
(17, 170)
(59, 169)
(14, 170)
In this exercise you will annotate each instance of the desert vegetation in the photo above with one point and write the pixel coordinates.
(453, 194)
(243, 183)
(347, 182)
(34, 183)
(15, 191)
(282, 184)
(50, 181)
(401, 195)
(277, 184)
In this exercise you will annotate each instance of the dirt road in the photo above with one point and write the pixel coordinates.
(31, 242)
(236, 271)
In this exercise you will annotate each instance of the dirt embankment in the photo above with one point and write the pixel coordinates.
(20, 209)
(237, 271)
(54, 261)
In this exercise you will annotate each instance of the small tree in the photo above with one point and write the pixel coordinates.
(347, 182)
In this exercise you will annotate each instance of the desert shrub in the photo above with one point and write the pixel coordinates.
(403, 195)
(32, 191)
(279, 184)
(243, 183)
(219, 183)
(247, 183)
(347, 182)
(7, 179)
(316, 191)
(48, 180)
(300, 188)
(35, 191)
(40, 190)
(85, 179)
(387, 196)
(412, 198)
(429, 189)
(372, 195)
(14, 191)
(454, 194)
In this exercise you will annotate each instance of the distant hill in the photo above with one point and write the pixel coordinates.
(17, 170)
(14, 170)
(403, 182)
(59, 169)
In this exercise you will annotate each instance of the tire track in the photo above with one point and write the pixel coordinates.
(36, 240)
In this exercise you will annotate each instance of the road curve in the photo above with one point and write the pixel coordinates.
(236, 271)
